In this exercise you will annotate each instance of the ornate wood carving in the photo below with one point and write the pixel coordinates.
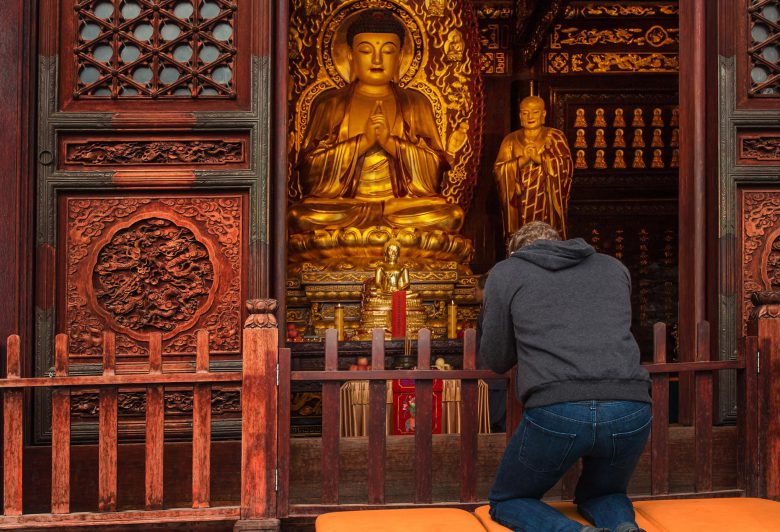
(758, 148)
(153, 276)
(120, 153)
(153, 263)
(128, 53)
(84, 404)
(261, 314)
(760, 249)
(610, 38)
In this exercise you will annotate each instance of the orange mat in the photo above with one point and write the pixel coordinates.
(683, 515)
(403, 520)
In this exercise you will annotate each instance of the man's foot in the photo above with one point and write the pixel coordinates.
(628, 527)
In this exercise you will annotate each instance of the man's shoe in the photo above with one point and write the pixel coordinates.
(628, 527)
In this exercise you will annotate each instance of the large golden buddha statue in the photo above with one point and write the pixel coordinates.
(372, 154)
(534, 171)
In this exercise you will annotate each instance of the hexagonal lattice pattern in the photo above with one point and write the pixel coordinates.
(764, 48)
(155, 48)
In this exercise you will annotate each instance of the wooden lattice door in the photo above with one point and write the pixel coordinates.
(151, 189)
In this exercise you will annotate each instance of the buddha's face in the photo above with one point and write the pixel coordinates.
(532, 114)
(392, 253)
(375, 57)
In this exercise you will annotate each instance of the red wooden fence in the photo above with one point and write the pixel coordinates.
(702, 372)
(262, 453)
(258, 383)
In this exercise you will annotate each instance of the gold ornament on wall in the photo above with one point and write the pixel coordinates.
(638, 141)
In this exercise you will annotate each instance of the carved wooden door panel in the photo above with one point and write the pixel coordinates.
(151, 188)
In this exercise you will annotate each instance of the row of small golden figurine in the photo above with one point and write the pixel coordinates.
(619, 119)
(619, 162)
(620, 141)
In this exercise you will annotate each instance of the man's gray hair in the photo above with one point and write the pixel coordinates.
(530, 233)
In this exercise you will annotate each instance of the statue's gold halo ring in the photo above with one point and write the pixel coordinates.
(333, 49)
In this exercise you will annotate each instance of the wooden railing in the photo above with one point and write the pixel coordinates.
(702, 371)
(258, 397)
(262, 453)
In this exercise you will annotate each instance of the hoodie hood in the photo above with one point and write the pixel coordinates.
(555, 255)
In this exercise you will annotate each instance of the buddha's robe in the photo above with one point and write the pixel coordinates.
(344, 189)
(534, 192)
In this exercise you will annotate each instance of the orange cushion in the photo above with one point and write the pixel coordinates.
(404, 520)
(566, 508)
(742, 514)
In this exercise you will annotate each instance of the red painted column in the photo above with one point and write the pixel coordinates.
(17, 58)
(692, 185)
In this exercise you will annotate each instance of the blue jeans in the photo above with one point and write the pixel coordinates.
(609, 436)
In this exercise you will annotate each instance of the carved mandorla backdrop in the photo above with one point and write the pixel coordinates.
(440, 59)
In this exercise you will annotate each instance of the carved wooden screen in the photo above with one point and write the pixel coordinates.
(151, 189)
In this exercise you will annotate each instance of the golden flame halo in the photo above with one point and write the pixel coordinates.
(333, 48)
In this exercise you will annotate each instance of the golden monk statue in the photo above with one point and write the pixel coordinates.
(372, 153)
(533, 171)
(390, 277)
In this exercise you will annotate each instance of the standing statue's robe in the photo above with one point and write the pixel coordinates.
(534, 192)
(343, 189)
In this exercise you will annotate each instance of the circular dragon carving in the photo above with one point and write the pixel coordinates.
(153, 276)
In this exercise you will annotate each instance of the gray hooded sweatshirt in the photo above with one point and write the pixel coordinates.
(562, 313)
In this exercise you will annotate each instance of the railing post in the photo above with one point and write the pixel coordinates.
(258, 416)
(765, 323)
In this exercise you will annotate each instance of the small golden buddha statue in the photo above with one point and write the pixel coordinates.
(675, 142)
(639, 141)
(675, 162)
(639, 160)
(599, 121)
(372, 154)
(600, 141)
(580, 121)
(620, 162)
(620, 120)
(657, 161)
(639, 120)
(601, 162)
(533, 171)
(657, 142)
(581, 163)
(675, 120)
(580, 141)
(620, 139)
(390, 276)
(658, 119)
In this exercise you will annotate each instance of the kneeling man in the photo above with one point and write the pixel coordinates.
(562, 313)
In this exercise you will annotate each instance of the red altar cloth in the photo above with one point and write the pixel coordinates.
(398, 314)
(404, 406)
